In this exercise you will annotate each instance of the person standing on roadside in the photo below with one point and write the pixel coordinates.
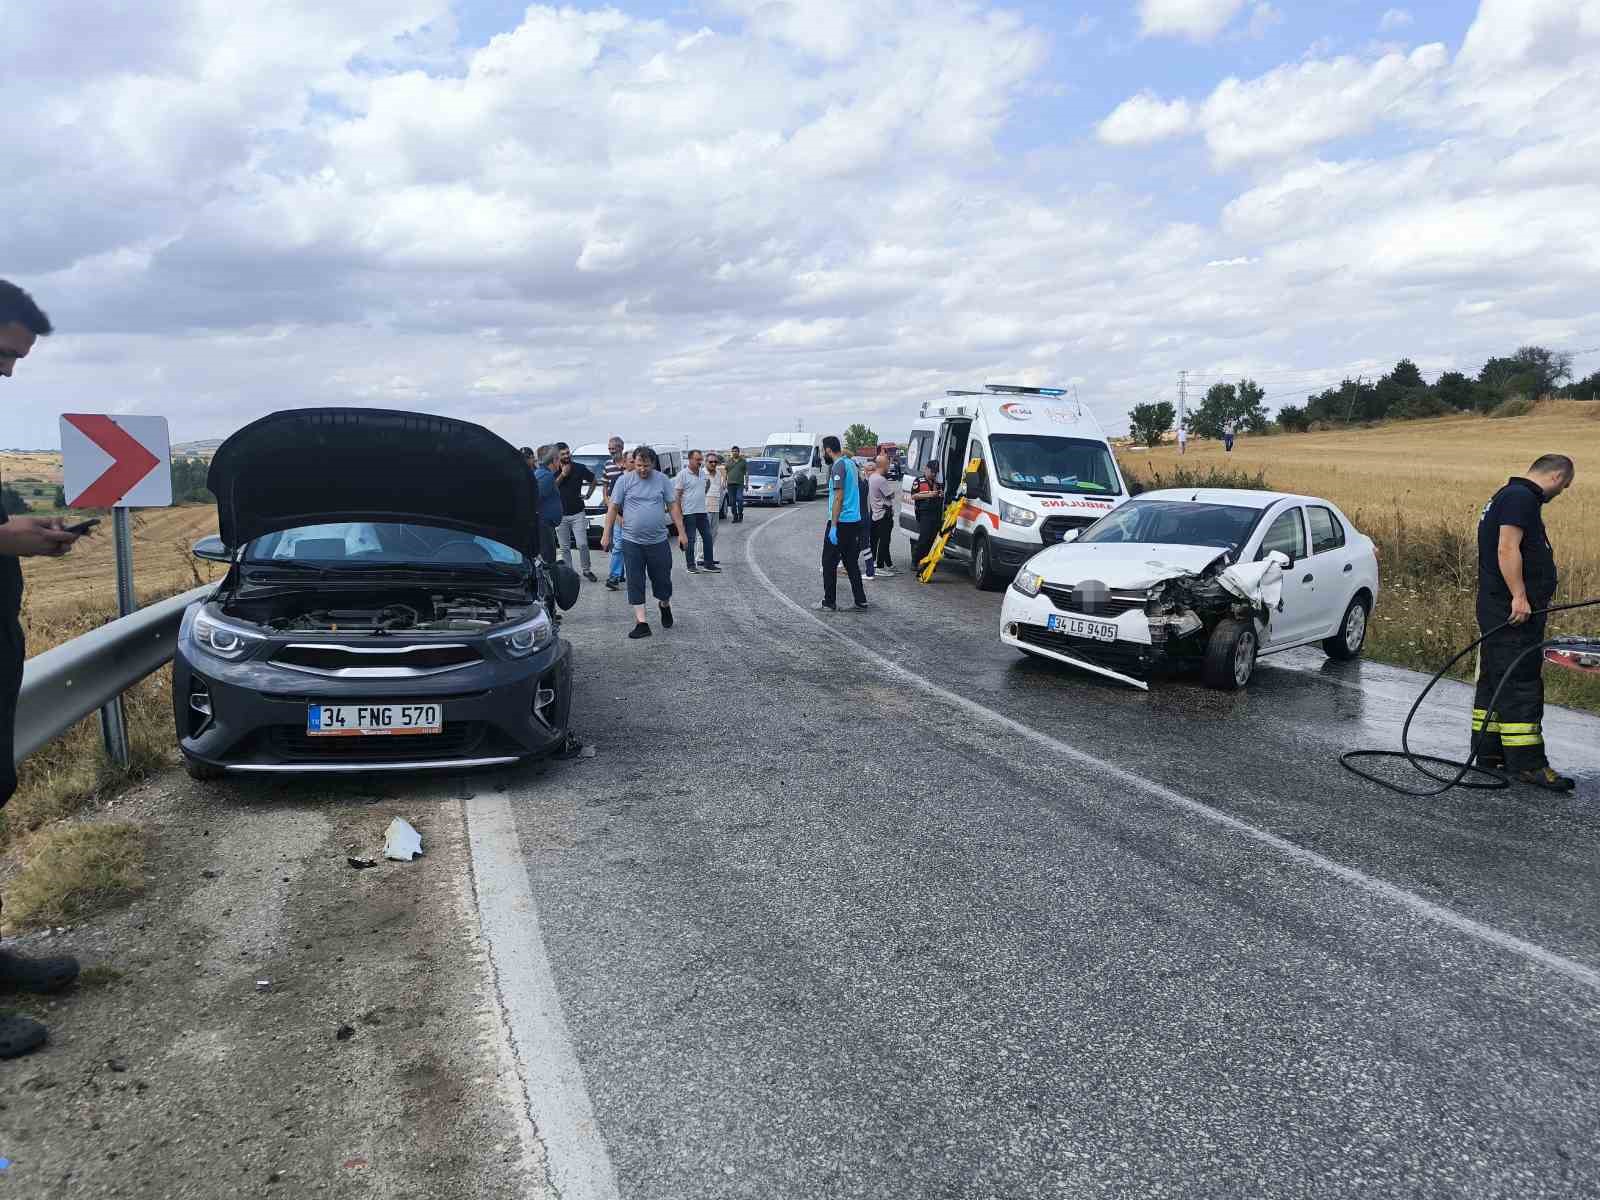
(691, 492)
(643, 500)
(928, 497)
(882, 498)
(869, 569)
(22, 323)
(737, 472)
(544, 474)
(618, 466)
(576, 484)
(841, 542)
(716, 489)
(1516, 581)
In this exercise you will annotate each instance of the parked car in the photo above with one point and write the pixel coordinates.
(1205, 578)
(770, 481)
(382, 610)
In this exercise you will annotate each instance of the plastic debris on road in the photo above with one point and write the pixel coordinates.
(588, 752)
(263, 985)
(361, 864)
(401, 842)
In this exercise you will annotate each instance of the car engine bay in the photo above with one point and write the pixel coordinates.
(379, 614)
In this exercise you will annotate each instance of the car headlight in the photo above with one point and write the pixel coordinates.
(1028, 582)
(1013, 515)
(222, 638)
(522, 640)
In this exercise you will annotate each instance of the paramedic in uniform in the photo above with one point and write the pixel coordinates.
(1517, 578)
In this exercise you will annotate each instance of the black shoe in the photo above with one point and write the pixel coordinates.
(38, 975)
(589, 575)
(1490, 762)
(863, 606)
(826, 607)
(640, 630)
(693, 570)
(712, 567)
(613, 584)
(1545, 777)
(666, 616)
(20, 1035)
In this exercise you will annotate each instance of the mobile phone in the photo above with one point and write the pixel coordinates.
(84, 526)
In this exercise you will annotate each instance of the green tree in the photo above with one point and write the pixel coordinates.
(1293, 419)
(13, 500)
(61, 496)
(1149, 422)
(189, 481)
(1455, 390)
(859, 437)
(1240, 409)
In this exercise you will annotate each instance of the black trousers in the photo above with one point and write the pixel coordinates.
(848, 551)
(882, 536)
(12, 653)
(1515, 729)
(927, 529)
(547, 542)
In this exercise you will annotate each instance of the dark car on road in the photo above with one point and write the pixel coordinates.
(383, 608)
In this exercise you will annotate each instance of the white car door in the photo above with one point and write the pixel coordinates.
(1332, 561)
(1286, 533)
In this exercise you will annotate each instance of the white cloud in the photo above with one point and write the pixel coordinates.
(1143, 119)
(1393, 19)
(1263, 17)
(1198, 20)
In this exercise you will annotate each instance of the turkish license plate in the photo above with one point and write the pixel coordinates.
(373, 720)
(1078, 627)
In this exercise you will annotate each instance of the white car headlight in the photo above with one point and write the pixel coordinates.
(222, 639)
(522, 640)
(1011, 514)
(1028, 582)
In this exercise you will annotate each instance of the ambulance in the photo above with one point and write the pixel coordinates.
(1043, 467)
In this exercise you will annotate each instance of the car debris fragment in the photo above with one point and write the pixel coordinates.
(361, 864)
(401, 841)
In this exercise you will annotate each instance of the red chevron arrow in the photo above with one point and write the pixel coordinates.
(131, 461)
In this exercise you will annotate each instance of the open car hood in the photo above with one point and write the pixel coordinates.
(312, 466)
(1130, 565)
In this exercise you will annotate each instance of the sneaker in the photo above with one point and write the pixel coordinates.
(590, 576)
(1545, 777)
(41, 976)
(640, 630)
(886, 572)
(693, 570)
(666, 616)
(613, 584)
(712, 567)
(20, 1035)
(826, 607)
(863, 606)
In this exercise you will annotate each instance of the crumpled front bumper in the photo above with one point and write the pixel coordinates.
(1129, 659)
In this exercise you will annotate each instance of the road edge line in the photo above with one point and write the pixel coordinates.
(577, 1164)
(1394, 893)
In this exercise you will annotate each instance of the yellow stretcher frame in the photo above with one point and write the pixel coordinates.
(947, 525)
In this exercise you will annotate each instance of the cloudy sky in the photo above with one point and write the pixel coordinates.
(707, 217)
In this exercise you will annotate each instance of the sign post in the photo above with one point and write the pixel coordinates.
(110, 462)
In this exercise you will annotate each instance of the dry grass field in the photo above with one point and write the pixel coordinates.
(1416, 488)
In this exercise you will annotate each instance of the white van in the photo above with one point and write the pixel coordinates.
(803, 452)
(1044, 467)
(595, 456)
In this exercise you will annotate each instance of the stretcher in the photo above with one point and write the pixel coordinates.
(947, 526)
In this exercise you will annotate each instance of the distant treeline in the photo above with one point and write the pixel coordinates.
(188, 487)
(1504, 386)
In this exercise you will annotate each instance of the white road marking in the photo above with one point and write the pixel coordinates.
(577, 1163)
(1418, 905)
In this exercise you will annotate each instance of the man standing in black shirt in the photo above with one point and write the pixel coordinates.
(1516, 579)
(21, 324)
(576, 483)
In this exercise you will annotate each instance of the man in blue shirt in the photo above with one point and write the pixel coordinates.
(550, 511)
(846, 532)
(642, 502)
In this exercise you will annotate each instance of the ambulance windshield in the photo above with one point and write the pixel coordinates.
(1041, 463)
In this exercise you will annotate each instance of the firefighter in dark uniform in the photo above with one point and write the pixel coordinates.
(21, 324)
(1516, 579)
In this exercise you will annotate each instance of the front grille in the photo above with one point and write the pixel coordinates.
(1055, 528)
(1099, 603)
(1128, 658)
(458, 740)
(410, 660)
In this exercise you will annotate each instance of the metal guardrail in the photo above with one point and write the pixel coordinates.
(67, 683)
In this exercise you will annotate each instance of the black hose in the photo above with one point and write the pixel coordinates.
(1492, 780)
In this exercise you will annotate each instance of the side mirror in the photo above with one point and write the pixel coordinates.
(567, 585)
(1070, 535)
(1284, 561)
(212, 550)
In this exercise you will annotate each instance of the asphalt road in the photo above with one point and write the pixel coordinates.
(866, 905)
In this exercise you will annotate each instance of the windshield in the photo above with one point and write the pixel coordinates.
(375, 542)
(1040, 463)
(760, 466)
(1175, 523)
(795, 456)
(595, 462)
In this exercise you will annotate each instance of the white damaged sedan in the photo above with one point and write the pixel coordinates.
(1206, 578)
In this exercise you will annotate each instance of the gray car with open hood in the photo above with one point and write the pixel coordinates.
(383, 609)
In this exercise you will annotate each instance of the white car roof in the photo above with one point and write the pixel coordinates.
(593, 448)
(1238, 497)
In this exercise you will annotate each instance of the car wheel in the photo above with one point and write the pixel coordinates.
(1352, 635)
(203, 771)
(1230, 656)
(983, 573)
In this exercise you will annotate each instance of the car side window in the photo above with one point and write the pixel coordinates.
(1286, 533)
(1327, 531)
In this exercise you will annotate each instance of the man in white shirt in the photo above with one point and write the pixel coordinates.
(691, 490)
(882, 497)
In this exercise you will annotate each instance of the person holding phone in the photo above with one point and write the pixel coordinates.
(21, 325)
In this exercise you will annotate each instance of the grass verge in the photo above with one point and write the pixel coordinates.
(73, 869)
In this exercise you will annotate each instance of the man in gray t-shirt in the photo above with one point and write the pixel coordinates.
(642, 500)
(691, 489)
